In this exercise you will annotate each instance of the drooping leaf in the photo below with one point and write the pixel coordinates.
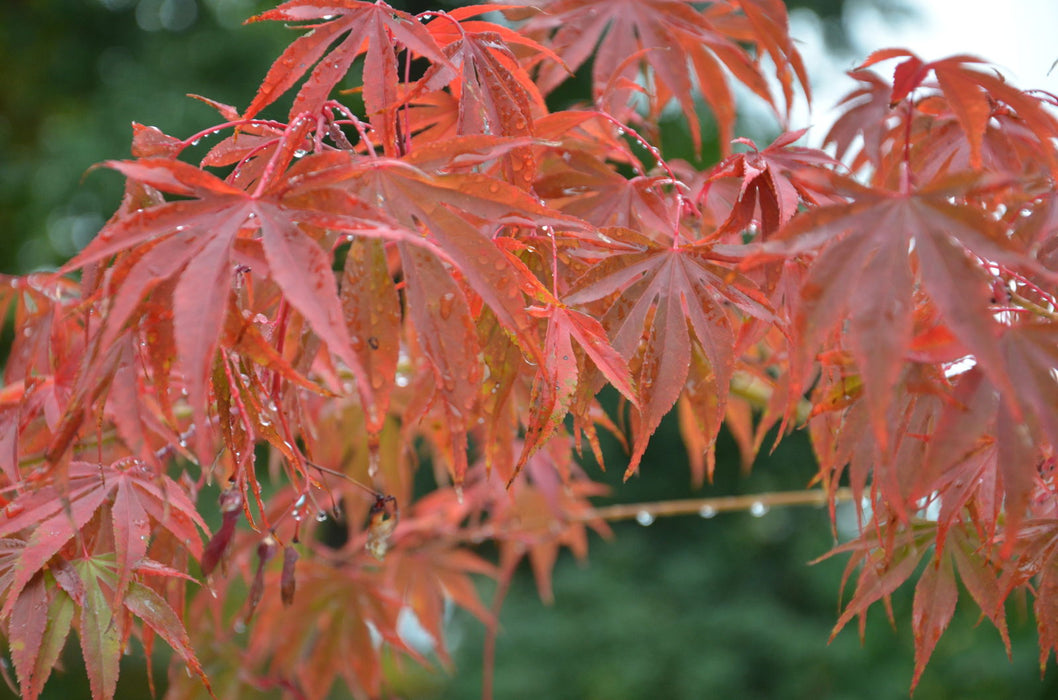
(682, 47)
(101, 635)
(771, 183)
(935, 595)
(871, 249)
(971, 95)
(370, 27)
(669, 297)
(155, 612)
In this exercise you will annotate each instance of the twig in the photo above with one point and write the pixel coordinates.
(709, 506)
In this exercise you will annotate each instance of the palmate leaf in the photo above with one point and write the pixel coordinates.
(668, 297)
(971, 95)
(987, 446)
(557, 382)
(871, 251)
(104, 625)
(195, 242)
(492, 86)
(429, 576)
(444, 253)
(140, 497)
(352, 605)
(680, 44)
(588, 187)
(370, 27)
(771, 183)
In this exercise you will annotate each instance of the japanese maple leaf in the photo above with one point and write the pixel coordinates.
(104, 624)
(770, 183)
(871, 251)
(371, 27)
(667, 298)
(986, 449)
(193, 240)
(971, 95)
(556, 384)
(494, 92)
(587, 187)
(681, 44)
(866, 110)
(134, 495)
(447, 208)
(356, 605)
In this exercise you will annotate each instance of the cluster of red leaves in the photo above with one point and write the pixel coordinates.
(457, 273)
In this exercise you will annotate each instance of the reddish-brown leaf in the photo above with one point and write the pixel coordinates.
(864, 273)
(771, 183)
(557, 381)
(100, 634)
(668, 297)
(370, 27)
(156, 613)
(676, 38)
(139, 497)
(935, 595)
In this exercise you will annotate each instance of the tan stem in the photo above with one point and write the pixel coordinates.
(718, 504)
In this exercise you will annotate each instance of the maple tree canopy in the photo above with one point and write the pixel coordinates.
(400, 273)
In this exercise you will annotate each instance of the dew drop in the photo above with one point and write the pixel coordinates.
(446, 301)
(645, 518)
(239, 626)
(374, 457)
(707, 512)
(321, 516)
(459, 494)
(758, 509)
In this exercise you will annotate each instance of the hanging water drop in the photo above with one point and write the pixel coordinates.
(321, 516)
(707, 512)
(645, 518)
(446, 302)
(758, 509)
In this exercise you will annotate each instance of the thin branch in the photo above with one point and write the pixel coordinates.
(711, 506)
